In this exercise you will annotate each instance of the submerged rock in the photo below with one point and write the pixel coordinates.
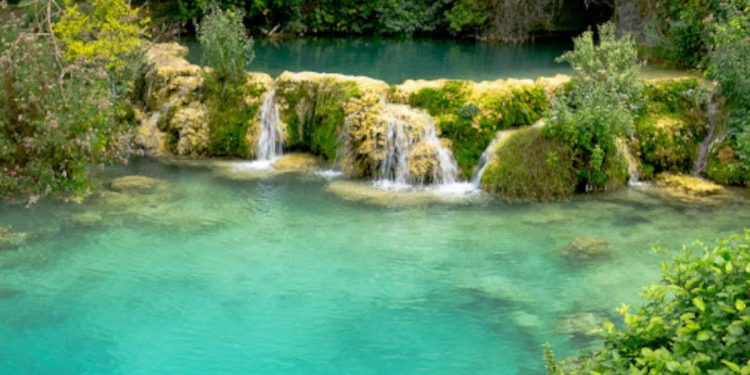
(367, 192)
(88, 218)
(581, 325)
(585, 249)
(137, 184)
(10, 240)
(297, 162)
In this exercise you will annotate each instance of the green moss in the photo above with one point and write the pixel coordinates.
(315, 114)
(667, 143)
(470, 123)
(228, 118)
(529, 167)
(669, 130)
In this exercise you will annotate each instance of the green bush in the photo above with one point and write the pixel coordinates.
(226, 50)
(600, 106)
(57, 119)
(530, 167)
(695, 321)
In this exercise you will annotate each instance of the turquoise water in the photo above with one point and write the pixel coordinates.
(281, 275)
(396, 60)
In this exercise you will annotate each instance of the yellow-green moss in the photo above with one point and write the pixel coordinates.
(469, 114)
(529, 167)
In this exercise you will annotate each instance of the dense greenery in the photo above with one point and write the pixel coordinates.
(600, 106)
(226, 50)
(695, 321)
(470, 121)
(60, 111)
(507, 20)
(529, 166)
(729, 64)
(672, 125)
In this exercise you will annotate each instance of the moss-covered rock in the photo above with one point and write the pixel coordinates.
(527, 166)
(582, 249)
(680, 185)
(313, 107)
(470, 113)
(297, 162)
(725, 167)
(137, 184)
(667, 143)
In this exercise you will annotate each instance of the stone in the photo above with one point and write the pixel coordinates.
(581, 325)
(585, 249)
(191, 124)
(137, 184)
(10, 240)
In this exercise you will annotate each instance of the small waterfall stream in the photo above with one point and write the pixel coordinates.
(712, 119)
(411, 134)
(271, 140)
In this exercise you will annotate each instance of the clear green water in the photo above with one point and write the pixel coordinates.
(281, 276)
(396, 60)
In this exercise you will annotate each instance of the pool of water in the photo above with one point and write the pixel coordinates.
(283, 275)
(396, 60)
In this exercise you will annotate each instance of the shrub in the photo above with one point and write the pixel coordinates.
(600, 106)
(528, 166)
(56, 119)
(226, 50)
(695, 321)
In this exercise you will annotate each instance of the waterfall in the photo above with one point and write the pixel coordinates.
(271, 139)
(151, 125)
(712, 119)
(412, 143)
(633, 163)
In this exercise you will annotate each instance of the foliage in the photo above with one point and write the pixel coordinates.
(730, 66)
(226, 50)
(56, 119)
(225, 45)
(682, 30)
(104, 29)
(695, 321)
(674, 123)
(529, 166)
(467, 15)
(471, 122)
(600, 106)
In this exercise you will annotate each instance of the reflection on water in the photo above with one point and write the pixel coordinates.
(396, 60)
(282, 274)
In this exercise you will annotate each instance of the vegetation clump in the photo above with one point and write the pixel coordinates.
(695, 321)
(226, 50)
(470, 117)
(63, 107)
(600, 106)
(529, 166)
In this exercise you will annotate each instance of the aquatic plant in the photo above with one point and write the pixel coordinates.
(695, 321)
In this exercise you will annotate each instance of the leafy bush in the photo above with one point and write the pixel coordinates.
(56, 119)
(527, 166)
(695, 321)
(226, 50)
(600, 106)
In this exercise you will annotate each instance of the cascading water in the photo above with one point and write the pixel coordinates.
(413, 153)
(271, 140)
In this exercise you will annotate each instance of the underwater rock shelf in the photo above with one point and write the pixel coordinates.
(417, 132)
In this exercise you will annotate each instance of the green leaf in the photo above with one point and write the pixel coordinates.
(732, 366)
(698, 302)
(740, 305)
(703, 336)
